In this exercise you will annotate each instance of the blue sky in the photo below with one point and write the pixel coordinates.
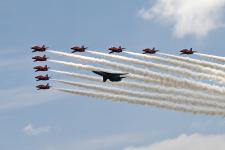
(62, 121)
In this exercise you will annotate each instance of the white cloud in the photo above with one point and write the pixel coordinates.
(185, 142)
(188, 17)
(31, 130)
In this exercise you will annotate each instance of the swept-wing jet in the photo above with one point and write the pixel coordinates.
(39, 48)
(40, 58)
(149, 50)
(114, 77)
(43, 87)
(116, 49)
(78, 49)
(42, 78)
(41, 68)
(187, 51)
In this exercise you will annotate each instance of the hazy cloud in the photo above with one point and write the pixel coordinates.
(25, 96)
(188, 17)
(98, 143)
(31, 130)
(185, 142)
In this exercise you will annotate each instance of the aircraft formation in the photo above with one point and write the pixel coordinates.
(41, 68)
(120, 50)
(113, 77)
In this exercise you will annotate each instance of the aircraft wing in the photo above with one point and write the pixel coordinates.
(102, 73)
(117, 74)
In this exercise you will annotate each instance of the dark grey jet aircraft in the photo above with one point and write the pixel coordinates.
(114, 77)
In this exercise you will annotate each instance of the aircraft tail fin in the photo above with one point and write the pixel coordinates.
(104, 78)
(121, 47)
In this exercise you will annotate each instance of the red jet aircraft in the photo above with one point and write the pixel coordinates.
(39, 48)
(40, 58)
(41, 68)
(78, 49)
(116, 49)
(43, 87)
(42, 78)
(149, 51)
(187, 51)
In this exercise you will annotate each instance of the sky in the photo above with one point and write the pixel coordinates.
(49, 120)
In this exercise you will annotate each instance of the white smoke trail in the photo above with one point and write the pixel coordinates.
(196, 62)
(150, 88)
(157, 96)
(212, 57)
(91, 68)
(162, 78)
(76, 65)
(142, 101)
(77, 75)
(183, 64)
(170, 69)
